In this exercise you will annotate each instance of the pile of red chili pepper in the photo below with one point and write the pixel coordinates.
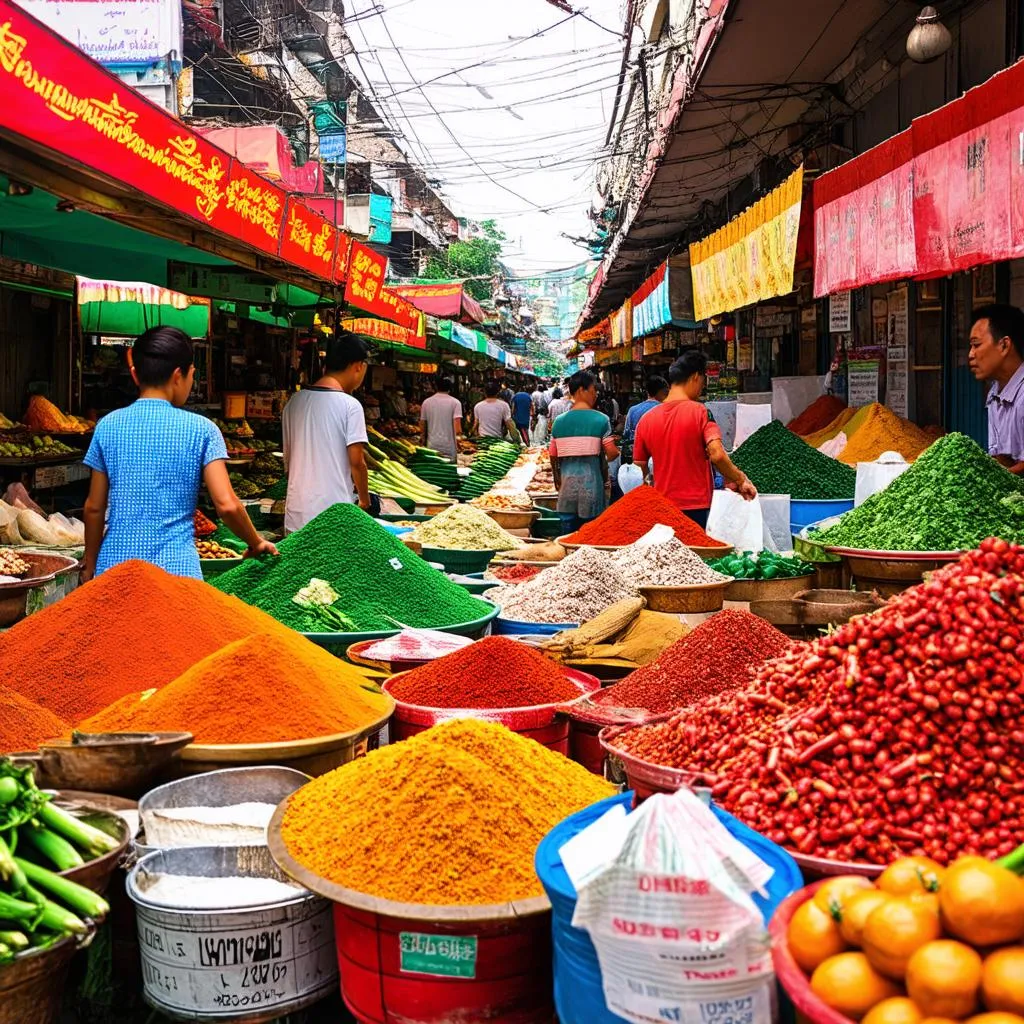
(492, 673)
(515, 573)
(719, 656)
(629, 518)
(900, 733)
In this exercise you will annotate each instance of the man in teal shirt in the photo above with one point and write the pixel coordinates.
(581, 448)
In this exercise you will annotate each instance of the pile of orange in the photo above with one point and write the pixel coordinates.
(921, 945)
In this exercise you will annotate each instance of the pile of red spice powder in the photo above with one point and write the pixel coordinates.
(492, 673)
(515, 573)
(131, 629)
(717, 657)
(629, 518)
(818, 415)
(24, 724)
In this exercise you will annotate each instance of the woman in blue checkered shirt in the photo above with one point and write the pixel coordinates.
(147, 463)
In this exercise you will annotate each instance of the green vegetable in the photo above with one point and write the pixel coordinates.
(28, 800)
(56, 849)
(9, 790)
(15, 941)
(952, 498)
(766, 565)
(89, 840)
(779, 462)
(82, 900)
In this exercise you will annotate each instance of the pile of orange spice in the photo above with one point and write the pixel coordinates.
(876, 429)
(451, 816)
(267, 688)
(24, 724)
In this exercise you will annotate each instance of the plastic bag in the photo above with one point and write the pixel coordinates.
(775, 508)
(69, 531)
(876, 476)
(750, 417)
(668, 909)
(739, 522)
(9, 532)
(35, 529)
(631, 476)
(835, 446)
(17, 496)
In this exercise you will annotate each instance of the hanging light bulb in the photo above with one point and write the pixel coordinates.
(929, 39)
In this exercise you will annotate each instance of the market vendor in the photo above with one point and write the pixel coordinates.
(685, 442)
(324, 437)
(995, 355)
(147, 462)
(441, 420)
(581, 448)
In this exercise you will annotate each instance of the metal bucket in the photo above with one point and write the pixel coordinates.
(269, 785)
(247, 966)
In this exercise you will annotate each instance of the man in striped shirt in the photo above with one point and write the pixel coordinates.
(581, 448)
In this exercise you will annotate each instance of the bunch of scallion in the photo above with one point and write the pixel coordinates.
(37, 839)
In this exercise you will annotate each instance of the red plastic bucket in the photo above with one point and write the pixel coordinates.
(418, 970)
(793, 980)
(644, 778)
(541, 722)
(585, 745)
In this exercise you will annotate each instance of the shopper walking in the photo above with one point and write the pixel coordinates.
(324, 430)
(522, 414)
(581, 448)
(685, 442)
(995, 354)
(559, 404)
(147, 462)
(441, 421)
(657, 392)
(493, 416)
(541, 402)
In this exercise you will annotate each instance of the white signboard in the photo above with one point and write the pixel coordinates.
(135, 32)
(839, 313)
(897, 334)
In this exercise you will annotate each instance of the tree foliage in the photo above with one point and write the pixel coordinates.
(476, 258)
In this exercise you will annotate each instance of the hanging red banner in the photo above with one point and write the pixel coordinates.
(308, 240)
(383, 330)
(258, 205)
(365, 290)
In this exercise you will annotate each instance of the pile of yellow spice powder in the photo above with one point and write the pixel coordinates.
(450, 816)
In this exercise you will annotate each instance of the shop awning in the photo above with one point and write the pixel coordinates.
(384, 332)
(940, 197)
(129, 308)
(664, 299)
(446, 299)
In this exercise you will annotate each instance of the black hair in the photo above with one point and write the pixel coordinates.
(557, 393)
(1004, 321)
(444, 384)
(158, 352)
(492, 387)
(690, 363)
(344, 349)
(580, 381)
(656, 384)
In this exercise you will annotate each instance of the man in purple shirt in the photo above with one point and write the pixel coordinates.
(997, 341)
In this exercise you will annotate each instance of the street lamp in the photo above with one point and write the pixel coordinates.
(929, 39)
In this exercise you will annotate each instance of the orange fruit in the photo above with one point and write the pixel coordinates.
(911, 874)
(813, 936)
(855, 912)
(1002, 980)
(850, 985)
(894, 931)
(982, 903)
(939, 1020)
(832, 896)
(944, 978)
(998, 1017)
(925, 899)
(897, 1010)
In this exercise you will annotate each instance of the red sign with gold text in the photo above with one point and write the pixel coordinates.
(365, 290)
(383, 330)
(308, 240)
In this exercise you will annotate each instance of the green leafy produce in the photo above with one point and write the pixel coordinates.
(765, 565)
(37, 906)
(779, 462)
(378, 580)
(951, 499)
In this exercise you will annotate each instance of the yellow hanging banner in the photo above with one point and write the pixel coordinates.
(752, 257)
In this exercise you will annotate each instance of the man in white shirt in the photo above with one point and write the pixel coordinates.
(558, 405)
(541, 402)
(324, 431)
(441, 421)
(493, 416)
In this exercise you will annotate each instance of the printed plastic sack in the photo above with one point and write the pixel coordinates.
(670, 915)
(736, 521)
(630, 477)
(9, 532)
(876, 476)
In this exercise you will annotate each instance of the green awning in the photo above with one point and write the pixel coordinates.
(132, 318)
(247, 312)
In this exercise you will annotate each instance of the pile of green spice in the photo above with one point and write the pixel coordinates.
(951, 499)
(779, 462)
(350, 575)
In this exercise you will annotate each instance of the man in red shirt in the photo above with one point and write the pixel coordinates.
(685, 442)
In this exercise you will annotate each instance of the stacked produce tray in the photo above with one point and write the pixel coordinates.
(491, 464)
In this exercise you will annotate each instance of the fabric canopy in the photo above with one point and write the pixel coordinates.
(447, 299)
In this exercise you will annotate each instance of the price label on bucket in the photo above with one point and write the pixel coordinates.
(447, 956)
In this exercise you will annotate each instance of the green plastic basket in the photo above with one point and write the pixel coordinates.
(411, 517)
(339, 643)
(546, 529)
(458, 560)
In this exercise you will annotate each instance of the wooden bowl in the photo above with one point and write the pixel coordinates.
(692, 599)
(768, 590)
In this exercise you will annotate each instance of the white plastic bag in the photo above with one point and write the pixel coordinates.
(35, 529)
(750, 417)
(835, 446)
(670, 915)
(775, 509)
(9, 532)
(736, 521)
(876, 476)
(630, 477)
